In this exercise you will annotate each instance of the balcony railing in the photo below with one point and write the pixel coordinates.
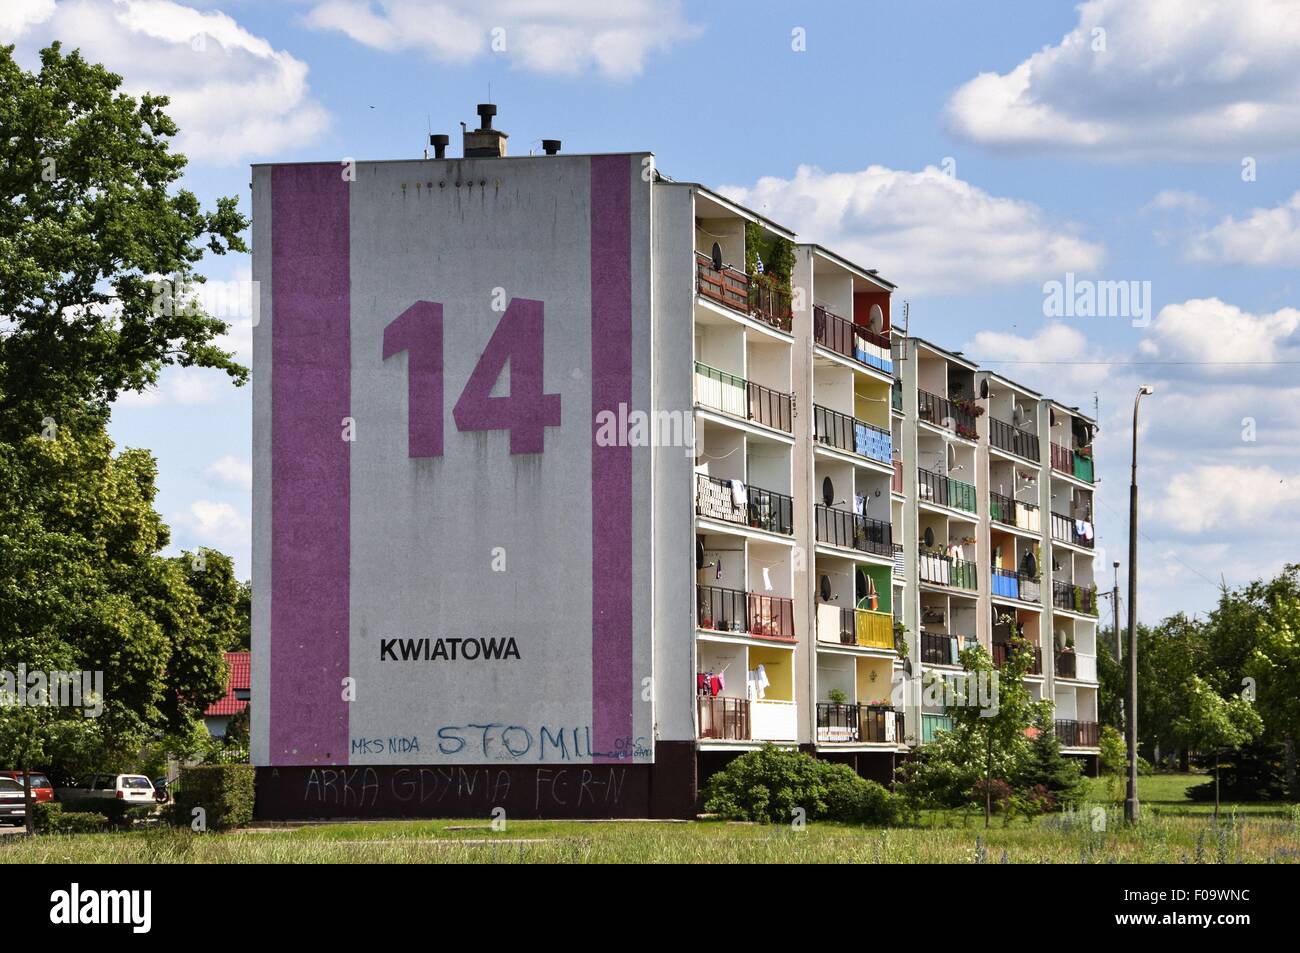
(900, 562)
(942, 412)
(1082, 599)
(1016, 585)
(1076, 734)
(738, 397)
(723, 718)
(856, 436)
(851, 340)
(1002, 649)
(851, 531)
(947, 571)
(1066, 665)
(896, 397)
(838, 721)
(749, 506)
(881, 724)
(943, 490)
(1073, 462)
(770, 303)
(1003, 509)
(726, 286)
(938, 648)
(1067, 531)
(932, 723)
(744, 613)
(1009, 437)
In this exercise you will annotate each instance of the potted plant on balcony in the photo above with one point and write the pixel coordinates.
(837, 696)
(900, 639)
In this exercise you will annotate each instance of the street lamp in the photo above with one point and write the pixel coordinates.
(1131, 801)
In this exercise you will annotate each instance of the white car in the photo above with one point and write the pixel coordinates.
(13, 808)
(132, 788)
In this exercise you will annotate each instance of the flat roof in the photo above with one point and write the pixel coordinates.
(865, 274)
(735, 207)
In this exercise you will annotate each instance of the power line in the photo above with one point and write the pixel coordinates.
(980, 360)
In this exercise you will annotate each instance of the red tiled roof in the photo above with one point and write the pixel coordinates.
(238, 664)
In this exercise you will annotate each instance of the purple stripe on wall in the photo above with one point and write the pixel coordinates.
(611, 467)
(310, 391)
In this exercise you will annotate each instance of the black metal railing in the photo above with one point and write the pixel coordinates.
(1016, 585)
(841, 335)
(936, 649)
(873, 723)
(851, 531)
(943, 570)
(769, 302)
(1081, 599)
(737, 397)
(855, 436)
(723, 718)
(751, 506)
(1012, 439)
(744, 613)
(1076, 734)
(1002, 509)
(1066, 664)
(838, 721)
(943, 490)
(1066, 530)
(770, 407)
(1003, 649)
(942, 412)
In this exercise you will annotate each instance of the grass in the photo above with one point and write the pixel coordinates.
(1173, 831)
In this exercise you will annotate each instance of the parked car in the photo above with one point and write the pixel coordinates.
(133, 788)
(13, 796)
(42, 789)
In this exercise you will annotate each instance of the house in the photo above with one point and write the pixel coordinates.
(218, 714)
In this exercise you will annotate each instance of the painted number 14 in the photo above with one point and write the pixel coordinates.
(526, 412)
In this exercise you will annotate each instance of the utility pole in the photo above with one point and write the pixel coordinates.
(1131, 801)
(1114, 603)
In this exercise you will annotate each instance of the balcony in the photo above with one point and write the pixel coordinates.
(864, 628)
(932, 724)
(744, 399)
(896, 484)
(948, 571)
(943, 490)
(944, 413)
(852, 435)
(851, 722)
(747, 506)
(760, 299)
(851, 531)
(940, 648)
(1005, 510)
(1072, 462)
(1016, 585)
(900, 562)
(1068, 530)
(854, 341)
(744, 613)
(896, 397)
(1002, 649)
(1066, 664)
(1081, 599)
(1009, 437)
(1076, 734)
(723, 718)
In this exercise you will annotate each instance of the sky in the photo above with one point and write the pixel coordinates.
(978, 154)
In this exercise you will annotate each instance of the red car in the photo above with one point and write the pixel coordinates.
(42, 789)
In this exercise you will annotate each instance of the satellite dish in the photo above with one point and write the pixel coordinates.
(699, 553)
(717, 257)
(1018, 415)
(984, 389)
(877, 319)
(907, 666)
(952, 456)
(826, 588)
(929, 536)
(860, 587)
(828, 491)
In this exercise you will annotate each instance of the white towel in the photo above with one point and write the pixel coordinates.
(738, 493)
(767, 578)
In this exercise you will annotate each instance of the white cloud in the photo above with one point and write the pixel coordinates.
(17, 16)
(233, 94)
(927, 231)
(1214, 78)
(559, 36)
(1171, 200)
(1055, 344)
(186, 386)
(1207, 329)
(230, 469)
(1218, 497)
(1267, 238)
(217, 524)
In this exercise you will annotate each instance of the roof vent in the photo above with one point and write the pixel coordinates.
(550, 146)
(439, 142)
(485, 142)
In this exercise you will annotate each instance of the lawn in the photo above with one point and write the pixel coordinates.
(1173, 831)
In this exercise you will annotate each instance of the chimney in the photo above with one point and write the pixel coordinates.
(550, 146)
(485, 142)
(439, 142)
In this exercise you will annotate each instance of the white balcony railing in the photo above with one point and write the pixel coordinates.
(773, 720)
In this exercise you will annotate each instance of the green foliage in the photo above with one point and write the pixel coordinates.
(91, 217)
(1253, 772)
(1053, 779)
(1114, 751)
(1112, 684)
(769, 784)
(224, 791)
(53, 818)
(1211, 722)
(777, 254)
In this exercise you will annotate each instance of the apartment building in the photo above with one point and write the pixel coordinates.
(629, 481)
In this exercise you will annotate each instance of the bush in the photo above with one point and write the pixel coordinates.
(1114, 752)
(769, 784)
(1000, 791)
(1256, 772)
(50, 817)
(223, 791)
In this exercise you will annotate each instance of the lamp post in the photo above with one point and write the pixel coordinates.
(1131, 801)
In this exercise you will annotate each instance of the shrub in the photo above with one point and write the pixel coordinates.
(50, 817)
(1114, 751)
(1256, 772)
(769, 784)
(1000, 791)
(1045, 767)
(223, 791)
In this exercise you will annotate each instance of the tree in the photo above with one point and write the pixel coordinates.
(1112, 685)
(91, 222)
(1048, 770)
(224, 601)
(1274, 668)
(1211, 723)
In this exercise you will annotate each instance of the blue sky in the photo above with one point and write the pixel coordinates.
(971, 151)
